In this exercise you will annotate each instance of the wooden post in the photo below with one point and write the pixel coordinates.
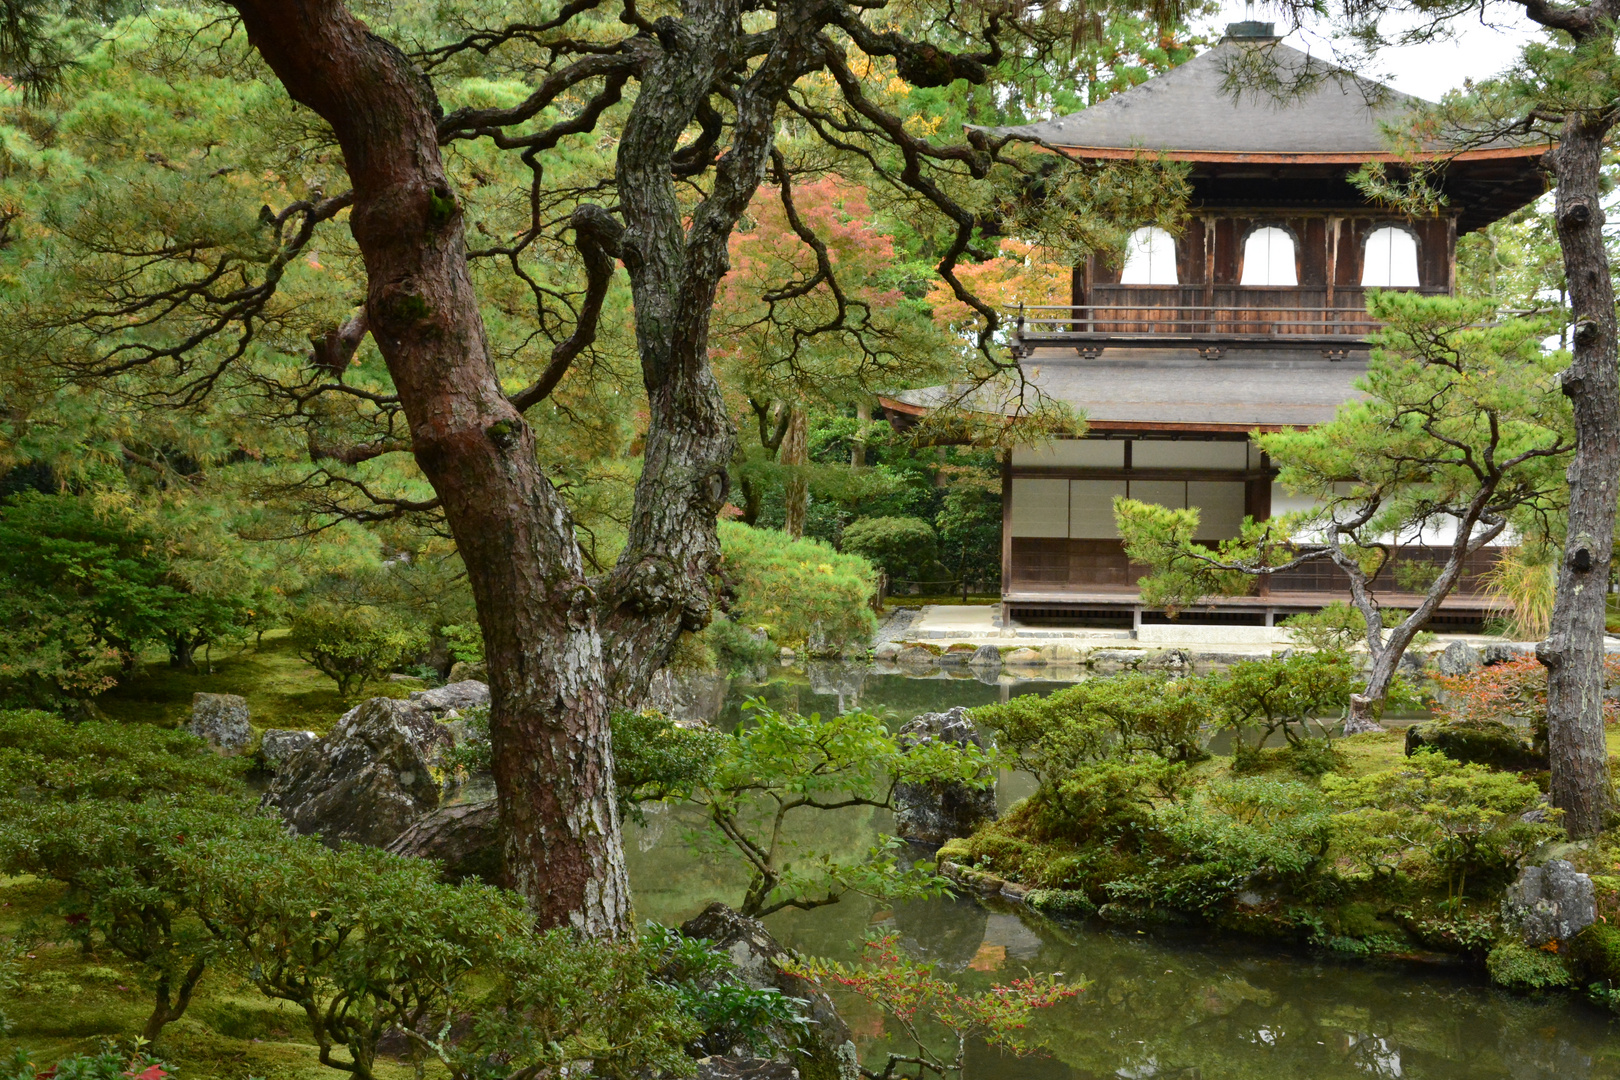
(1006, 526)
(1331, 238)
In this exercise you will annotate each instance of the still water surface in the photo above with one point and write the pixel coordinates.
(1187, 1006)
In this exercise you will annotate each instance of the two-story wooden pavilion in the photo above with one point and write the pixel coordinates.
(1252, 318)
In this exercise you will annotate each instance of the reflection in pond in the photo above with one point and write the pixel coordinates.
(1181, 1005)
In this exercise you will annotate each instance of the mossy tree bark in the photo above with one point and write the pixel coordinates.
(1573, 649)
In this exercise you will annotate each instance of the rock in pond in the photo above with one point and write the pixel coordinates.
(985, 656)
(1062, 654)
(222, 719)
(465, 837)
(828, 1051)
(1108, 661)
(1169, 661)
(958, 655)
(915, 656)
(281, 745)
(1459, 658)
(1551, 902)
(455, 697)
(1024, 656)
(886, 650)
(933, 813)
(369, 780)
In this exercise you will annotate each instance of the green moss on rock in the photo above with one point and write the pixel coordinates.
(1518, 967)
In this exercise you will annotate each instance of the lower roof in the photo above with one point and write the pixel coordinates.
(1176, 389)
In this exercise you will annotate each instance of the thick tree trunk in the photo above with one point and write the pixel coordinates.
(1573, 649)
(796, 490)
(549, 718)
(857, 448)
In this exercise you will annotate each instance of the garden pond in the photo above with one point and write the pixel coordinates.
(1167, 1004)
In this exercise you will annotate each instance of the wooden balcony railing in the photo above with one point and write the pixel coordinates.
(1208, 317)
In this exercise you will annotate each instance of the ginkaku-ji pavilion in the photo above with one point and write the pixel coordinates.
(1252, 318)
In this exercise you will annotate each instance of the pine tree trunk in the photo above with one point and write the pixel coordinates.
(549, 717)
(796, 490)
(1573, 649)
(857, 449)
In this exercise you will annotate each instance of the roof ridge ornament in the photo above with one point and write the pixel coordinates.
(1252, 30)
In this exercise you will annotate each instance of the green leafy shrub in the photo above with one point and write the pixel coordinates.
(1463, 817)
(363, 942)
(44, 756)
(905, 548)
(1596, 951)
(655, 758)
(128, 891)
(83, 588)
(107, 1065)
(466, 642)
(729, 1011)
(802, 590)
(354, 645)
(1519, 967)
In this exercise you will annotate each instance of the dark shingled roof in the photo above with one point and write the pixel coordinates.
(1188, 110)
(1177, 387)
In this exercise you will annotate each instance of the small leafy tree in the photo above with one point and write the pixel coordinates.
(905, 548)
(937, 1021)
(354, 646)
(83, 589)
(1463, 816)
(778, 768)
(129, 892)
(1463, 429)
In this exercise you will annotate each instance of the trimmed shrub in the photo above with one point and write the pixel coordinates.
(802, 590)
(905, 548)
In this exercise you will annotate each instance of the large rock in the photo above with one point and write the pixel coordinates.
(281, 745)
(1483, 742)
(935, 812)
(1551, 902)
(1502, 652)
(465, 670)
(1058, 653)
(369, 780)
(915, 656)
(1459, 658)
(828, 1051)
(465, 837)
(455, 697)
(1108, 661)
(1024, 657)
(1169, 661)
(886, 651)
(222, 719)
(958, 655)
(985, 656)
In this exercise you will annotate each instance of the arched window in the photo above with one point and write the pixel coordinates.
(1150, 258)
(1390, 258)
(1268, 258)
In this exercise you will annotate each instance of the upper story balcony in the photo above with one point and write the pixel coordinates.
(1208, 318)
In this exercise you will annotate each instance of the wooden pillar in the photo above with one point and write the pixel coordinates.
(1209, 273)
(1331, 239)
(1006, 527)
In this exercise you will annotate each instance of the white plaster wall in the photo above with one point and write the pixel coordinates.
(1040, 507)
(1074, 454)
(1091, 508)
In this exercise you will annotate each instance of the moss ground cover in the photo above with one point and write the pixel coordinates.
(282, 690)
